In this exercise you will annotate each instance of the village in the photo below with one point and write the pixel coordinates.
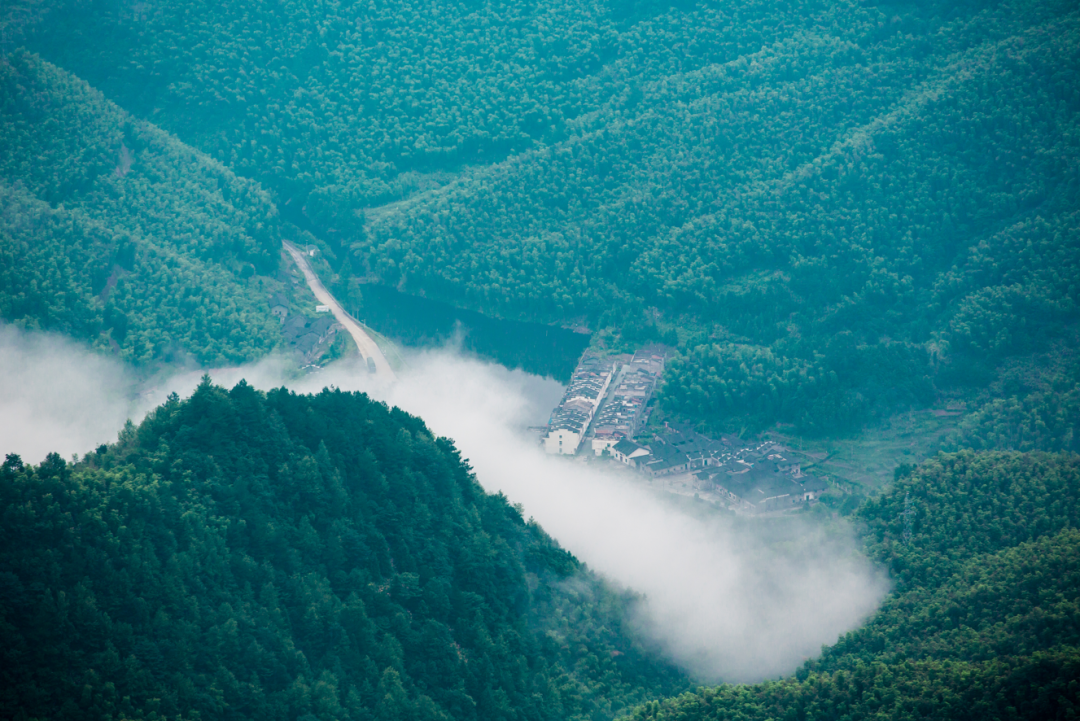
(604, 414)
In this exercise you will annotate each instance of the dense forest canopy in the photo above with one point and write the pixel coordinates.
(273, 555)
(113, 231)
(282, 556)
(832, 211)
(836, 210)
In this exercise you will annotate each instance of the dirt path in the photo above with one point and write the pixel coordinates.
(364, 342)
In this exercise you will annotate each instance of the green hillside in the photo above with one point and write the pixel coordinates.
(984, 621)
(278, 556)
(838, 211)
(113, 231)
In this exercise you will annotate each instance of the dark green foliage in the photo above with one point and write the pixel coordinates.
(985, 619)
(1040, 686)
(1029, 408)
(968, 504)
(844, 387)
(837, 211)
(113, 231)
(249, 555)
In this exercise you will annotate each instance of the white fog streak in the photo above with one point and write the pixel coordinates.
(56, 396)
(720, 600)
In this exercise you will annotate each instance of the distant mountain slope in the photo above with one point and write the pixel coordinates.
(280, 556)
(344, 99)
(985, 620)
(773, 160)
(836, 210)
(835, 225)
(114, 231)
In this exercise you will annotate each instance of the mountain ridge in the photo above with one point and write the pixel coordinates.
(244, 553)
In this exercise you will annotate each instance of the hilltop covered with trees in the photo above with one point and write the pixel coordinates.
(276, 555)
(281, 556)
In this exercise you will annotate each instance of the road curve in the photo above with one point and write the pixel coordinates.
(364, 342)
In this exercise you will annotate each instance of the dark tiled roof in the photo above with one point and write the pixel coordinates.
(626, 447)
(812, 484)
(322, 325)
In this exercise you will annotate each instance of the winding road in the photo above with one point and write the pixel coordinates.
(367, 346)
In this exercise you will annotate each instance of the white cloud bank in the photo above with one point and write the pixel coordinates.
(57, 396)
(720, 598)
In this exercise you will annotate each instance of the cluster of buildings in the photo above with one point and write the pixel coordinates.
(751, 479)
(310, 337)
(675, 449)
(625, 411)
(571, 418)
(763, 481)
(607, 406)
(606, 401)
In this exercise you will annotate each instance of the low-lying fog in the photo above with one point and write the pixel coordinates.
(724, 598)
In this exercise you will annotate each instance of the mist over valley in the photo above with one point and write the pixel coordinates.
(724, 599)
(539, 362)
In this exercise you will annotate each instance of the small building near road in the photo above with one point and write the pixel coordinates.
(279, 306)
(309, 336)
(322, 309)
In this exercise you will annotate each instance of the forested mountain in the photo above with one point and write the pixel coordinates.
(833, 211)
(243, 554)
(836, 210)
(985, 618)
(115, 232)
(280, 556)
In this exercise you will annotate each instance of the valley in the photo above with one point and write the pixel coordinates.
(559, 361)
(365, 344)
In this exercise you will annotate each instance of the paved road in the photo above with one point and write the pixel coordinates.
(367, 346)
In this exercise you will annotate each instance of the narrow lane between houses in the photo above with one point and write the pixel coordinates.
(365, 343)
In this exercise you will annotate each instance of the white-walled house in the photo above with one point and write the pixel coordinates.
(562, 441)
(626, 451)
(570, 419)
(601, 443)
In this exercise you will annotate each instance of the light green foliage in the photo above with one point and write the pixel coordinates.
(113, 231)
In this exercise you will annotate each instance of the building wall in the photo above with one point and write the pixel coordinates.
(599, 445)
(569, 439)
(562, 441)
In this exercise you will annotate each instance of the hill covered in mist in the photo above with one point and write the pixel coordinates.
(251, 555)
